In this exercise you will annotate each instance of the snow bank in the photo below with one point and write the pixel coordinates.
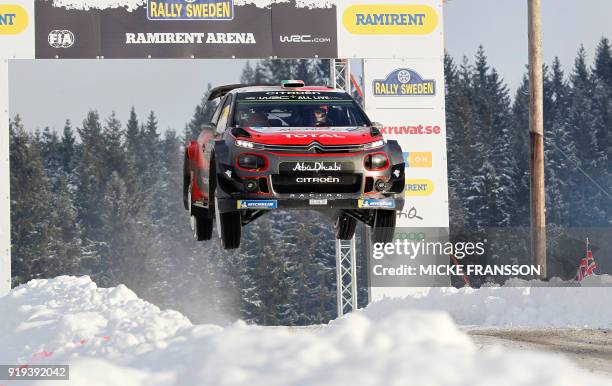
(110, 337)
(544, 305)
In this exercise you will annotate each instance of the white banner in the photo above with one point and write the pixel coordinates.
(5, 203)
(407, 97)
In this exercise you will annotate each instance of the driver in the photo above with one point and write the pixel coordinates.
(319, 116)
(256, 119)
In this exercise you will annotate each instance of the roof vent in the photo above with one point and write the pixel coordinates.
(292, 83)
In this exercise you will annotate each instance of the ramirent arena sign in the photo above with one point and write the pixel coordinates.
(190, 38)
(190, 9)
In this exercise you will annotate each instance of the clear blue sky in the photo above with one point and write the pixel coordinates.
(48, 92)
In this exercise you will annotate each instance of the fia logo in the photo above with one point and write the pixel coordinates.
(61, 38)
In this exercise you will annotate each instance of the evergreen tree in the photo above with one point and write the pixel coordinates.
(68, 150)
(35, 225)
(583, 123)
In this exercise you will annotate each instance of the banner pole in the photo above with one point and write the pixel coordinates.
(5, 203)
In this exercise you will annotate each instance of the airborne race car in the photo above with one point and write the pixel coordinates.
(291, 147)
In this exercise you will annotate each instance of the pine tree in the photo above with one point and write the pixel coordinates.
(583, 122)
(34, 221)
(68, 151)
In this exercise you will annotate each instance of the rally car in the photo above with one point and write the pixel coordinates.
(287, 147)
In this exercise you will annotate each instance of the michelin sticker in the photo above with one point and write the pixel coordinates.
(404, 82)
(190, 9)
(372, 203)
(257, 204)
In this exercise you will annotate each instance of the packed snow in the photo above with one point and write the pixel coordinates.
(111, 337)
(520, 304)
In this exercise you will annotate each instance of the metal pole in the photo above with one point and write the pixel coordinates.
(536, 136)
(5, 206)
(346, 276)
(346, 261)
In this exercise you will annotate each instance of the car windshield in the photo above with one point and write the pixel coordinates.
(297, 109)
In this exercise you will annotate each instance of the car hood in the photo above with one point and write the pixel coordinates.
(306, 135)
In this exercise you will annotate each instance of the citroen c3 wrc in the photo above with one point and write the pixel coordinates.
(291, 147)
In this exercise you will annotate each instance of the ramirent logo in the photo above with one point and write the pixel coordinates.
(419, 187)
(386, 19)
(13, 19)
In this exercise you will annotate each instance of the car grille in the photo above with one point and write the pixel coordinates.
(336, 183)
(314, 147)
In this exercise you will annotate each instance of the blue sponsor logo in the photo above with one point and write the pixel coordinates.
(404, 82)
(257, 204)
(373, 203)
(190, 9)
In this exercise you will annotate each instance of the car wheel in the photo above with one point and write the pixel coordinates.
(384, 226)
(201, 224)
(230, 229)
(345, 227)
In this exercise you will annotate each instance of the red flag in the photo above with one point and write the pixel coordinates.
(587, 265)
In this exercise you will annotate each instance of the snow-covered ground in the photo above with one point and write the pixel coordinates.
(111, 337)
(539, 305)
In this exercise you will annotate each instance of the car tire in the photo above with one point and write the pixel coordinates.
(201, 224)
(384, 226)
(345, 227)
(230, 229)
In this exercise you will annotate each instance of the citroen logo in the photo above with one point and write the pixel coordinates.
(315, 147)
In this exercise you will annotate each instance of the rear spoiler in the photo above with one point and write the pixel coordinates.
(220, 91)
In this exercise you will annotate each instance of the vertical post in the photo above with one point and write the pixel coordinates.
(536, 137)
(5, 206)
(346, 261)
(346, 276)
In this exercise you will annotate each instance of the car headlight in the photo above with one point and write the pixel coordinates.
(374, 144)
(247, 144)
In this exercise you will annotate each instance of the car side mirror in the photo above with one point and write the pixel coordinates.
(377, 125)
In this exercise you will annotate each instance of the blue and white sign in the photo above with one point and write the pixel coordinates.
(257, 204)
(373, 203)
(404, 82)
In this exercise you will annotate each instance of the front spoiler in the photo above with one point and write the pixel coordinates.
(224, 205)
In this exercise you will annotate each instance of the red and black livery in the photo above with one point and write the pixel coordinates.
(291, 147)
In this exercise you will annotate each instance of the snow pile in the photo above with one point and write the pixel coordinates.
(110, 337)
(512, 306)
